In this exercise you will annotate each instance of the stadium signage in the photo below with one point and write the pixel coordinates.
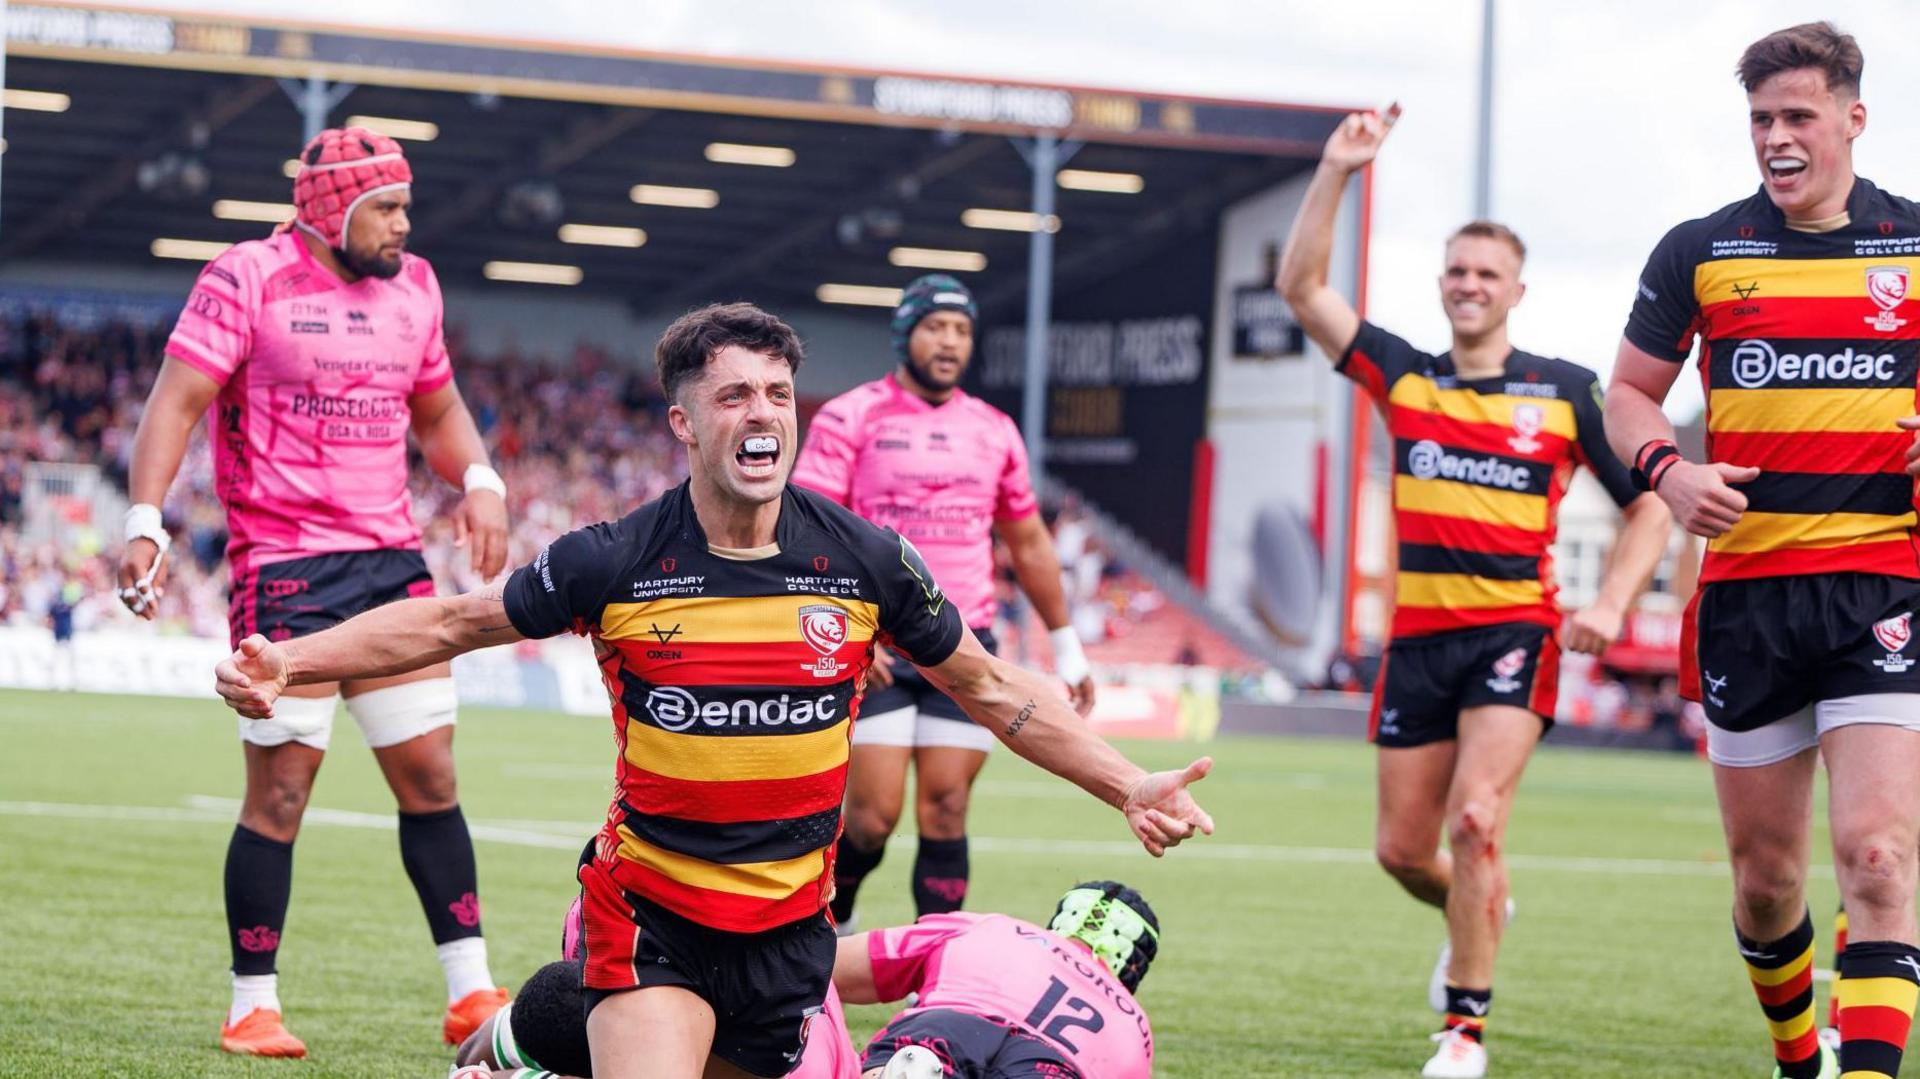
(984, 103)
(1756, 364)
(1263, 325)
(76, 28)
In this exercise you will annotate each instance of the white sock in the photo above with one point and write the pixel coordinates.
(252, 991)
(465, 962)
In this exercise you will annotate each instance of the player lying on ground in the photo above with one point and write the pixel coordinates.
(734, 618)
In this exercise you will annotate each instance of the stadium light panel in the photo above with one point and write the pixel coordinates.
(692, 198)
(36, 100)
(168, 247)
(602, 235)
(861, 295)
(393, 128)
(1117, 183)
(735, 153)
(532, 273)
(1008, 220)
(933, 258)
(242, 210)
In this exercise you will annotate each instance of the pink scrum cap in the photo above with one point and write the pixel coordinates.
(340, 169)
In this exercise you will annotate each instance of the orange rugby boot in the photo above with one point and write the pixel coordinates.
(465, 1015)
(261, 1033)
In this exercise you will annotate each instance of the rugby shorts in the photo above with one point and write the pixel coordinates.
(282, 600)
(1426, 682)
(970, 1046)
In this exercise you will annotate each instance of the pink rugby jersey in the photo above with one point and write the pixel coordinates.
(1002, 968)
(829, 1053)
(309, 431)
(940, 475)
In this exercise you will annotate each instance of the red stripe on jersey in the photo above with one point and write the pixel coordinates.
(1892, 558)
(1362, 369)
(1416, 424)
(1828, 453)
(1468, 535)
(725, 910)
(1419, 621)
(737, 801)
(1831, 317)
(745, 663)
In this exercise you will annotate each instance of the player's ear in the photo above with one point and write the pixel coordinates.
(1856, 119)
(680, 423)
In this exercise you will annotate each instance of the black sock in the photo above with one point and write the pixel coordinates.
(1467, 1011)
(438, 854)
(940, 873)
(259, 879)
(851, 864)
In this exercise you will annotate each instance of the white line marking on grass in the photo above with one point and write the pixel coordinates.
(568, 835)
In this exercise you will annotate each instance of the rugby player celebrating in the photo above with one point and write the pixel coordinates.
(1798, 644)
(1486, 439)
(734, 618)
(313, 353)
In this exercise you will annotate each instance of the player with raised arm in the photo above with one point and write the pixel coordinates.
(1799, 642)
(734, 618)
(312, 354)
(1485, 441)
(917, 454)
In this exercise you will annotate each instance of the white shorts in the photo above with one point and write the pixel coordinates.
(387, 717)
(1802, 730)
(910, 728)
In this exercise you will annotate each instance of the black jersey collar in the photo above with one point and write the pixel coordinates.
(785, 527)
(1859, 203)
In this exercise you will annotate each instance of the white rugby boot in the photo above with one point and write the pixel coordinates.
(914, 1062)
(1459, 1057)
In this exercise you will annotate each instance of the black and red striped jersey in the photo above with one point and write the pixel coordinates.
(733, 678)
(1479, 469)
(1808, 356)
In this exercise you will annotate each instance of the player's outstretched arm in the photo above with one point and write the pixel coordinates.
(399, 637)
(1023, 711)
(1036, 565)
(1324, 314)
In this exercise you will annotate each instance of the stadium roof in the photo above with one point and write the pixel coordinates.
(161, 115)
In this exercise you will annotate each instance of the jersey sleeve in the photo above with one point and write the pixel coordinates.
(436, 366)
(900, 955)
(565, 588)
(1590, 445)
(1015, 499)
(1666, 312)
(830, 453)
(1377, 359)
(214, 334)
(915, 616)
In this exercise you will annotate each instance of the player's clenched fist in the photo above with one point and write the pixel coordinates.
(253, 677)
(1357, 140)
(1700, 497)
(1161, 809)
(1912, 423)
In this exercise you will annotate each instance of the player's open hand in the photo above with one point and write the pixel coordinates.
(482, 522)
(1353, 144)
(1162, 811)
(1912, 423)
(1592, 630)
(1700, 497)
(253, 677)
(143, 573)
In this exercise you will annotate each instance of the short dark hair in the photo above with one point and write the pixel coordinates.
(1818, 45)
(696, 336)
(1491, 230)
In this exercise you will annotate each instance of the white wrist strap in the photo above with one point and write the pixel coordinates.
(480, 477)
(1069, 661)
(143, 522)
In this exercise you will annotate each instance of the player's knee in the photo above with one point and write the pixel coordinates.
(943, 811)
(1878, 870)
(276, 811)
(1768, 888)
(1473, 830)
(869, 826)
(1403, 861)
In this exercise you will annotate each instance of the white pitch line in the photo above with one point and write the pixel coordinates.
(568, 835)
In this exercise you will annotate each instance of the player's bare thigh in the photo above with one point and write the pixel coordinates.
(419, 770)
(944, 784)
(1767, 814)
(661, 1032)
(1496, 741)
(1412, 784)
(876, 792)
(1874, 807)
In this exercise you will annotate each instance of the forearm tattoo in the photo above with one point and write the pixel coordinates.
(495, 595)
(1019, 721)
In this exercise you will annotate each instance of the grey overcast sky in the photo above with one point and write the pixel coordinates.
(1615, 119)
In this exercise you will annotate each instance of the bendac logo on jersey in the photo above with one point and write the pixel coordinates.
(1504, 669)
(1887, 288)
(1527, 422)
(824, 627)
(1894, 634)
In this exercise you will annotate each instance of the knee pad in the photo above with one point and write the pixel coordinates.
(396, 714)
(306, 720)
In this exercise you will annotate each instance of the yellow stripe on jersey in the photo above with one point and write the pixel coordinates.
(1819, 411)
(762, 880)
(1463, 590)
(732, 619)
(1877, 993)
(1786, 279)
(1420, 392)
(1471, 502)
(729, 757)
(1756, 533)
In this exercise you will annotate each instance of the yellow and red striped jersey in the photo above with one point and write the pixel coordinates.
(1808, 356)
(1479, 468)
(733, 684)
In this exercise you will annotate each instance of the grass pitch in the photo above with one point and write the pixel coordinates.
(1285, 951)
